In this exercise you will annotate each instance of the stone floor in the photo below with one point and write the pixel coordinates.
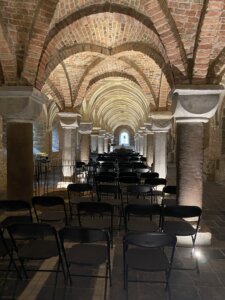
(184, 284)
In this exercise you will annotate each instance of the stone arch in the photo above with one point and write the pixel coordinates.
(37, 35)
(156, 15)
(7, 58)
(112, 74)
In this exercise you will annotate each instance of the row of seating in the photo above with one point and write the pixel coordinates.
(43, 241)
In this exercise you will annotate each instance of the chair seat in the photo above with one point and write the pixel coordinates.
(147, 259)
(40, 249)
(87, 254)
(178, 228)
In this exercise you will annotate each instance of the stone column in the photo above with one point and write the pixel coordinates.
(85, 131)
(106, 143)
(111, 140)
(136, 143)
(141, 142)
(192, 106)
(20, 106)
(94, 143)
(101, 137)
(150, 145)
(69, 123)
(144, 144)
(160, 127)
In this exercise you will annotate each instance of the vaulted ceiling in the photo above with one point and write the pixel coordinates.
(113, 61)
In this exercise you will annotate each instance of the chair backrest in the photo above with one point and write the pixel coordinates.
(44, 203)
(94, 207)
(48, 201)
(129, 180)
(79, 187)
(142, 170)
(31, 231)
(111, 174)
(182, 211)
(83, 235)
(155, 181)
(138, 189)
(20, 207)
(15, 206)
(137, 165)
(127, 169)
(127, 174)
(150, 175)
(170, 189)
(142, 210)
(102, 178)
(150, 240)
(108, 189)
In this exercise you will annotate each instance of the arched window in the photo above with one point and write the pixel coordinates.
(55, 138)
(124, 139)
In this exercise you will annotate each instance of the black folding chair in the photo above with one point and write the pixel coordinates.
(50, 209)
(139, 194)
(36, 242)
(169, 195)
(91, 247)
(174, 221)
(96, 215)
(78, 192)
(111, 194)
(157, 185)
(138, 218)
(145, 252)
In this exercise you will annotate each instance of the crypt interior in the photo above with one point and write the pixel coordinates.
(82, 79)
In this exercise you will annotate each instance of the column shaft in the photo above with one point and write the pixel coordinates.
(100, 144)
(190, 163)
(68, 152)
(106, 145)
(160, 155)
(150, 143)
(94, 143)
(85, 148)
(20, 160)
(141, 144)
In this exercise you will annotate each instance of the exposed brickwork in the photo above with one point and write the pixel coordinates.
(110, 30)
(186, 15)
(208, 38)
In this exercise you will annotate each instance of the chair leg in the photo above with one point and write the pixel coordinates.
(106, 281)
(110, 274)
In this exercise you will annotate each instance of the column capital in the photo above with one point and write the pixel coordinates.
(85, 128)
(161, 121)
(21, 102)
(102, 132)
(196, 103)
(69, 120)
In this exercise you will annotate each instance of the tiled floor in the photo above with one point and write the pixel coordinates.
(184, 284)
